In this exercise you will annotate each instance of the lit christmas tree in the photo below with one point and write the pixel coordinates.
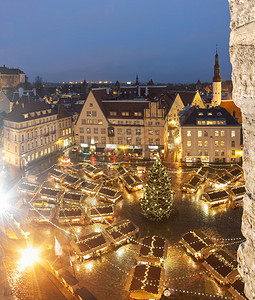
(157, 202)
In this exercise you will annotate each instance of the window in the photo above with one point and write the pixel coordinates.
(199, 133)
(233, 144)
(96, 139)
(88, 113)
(188, 143)
(138, 131)
(119, 130)
(157, 123)
(205, 133)
(103, 131)
(88, 130)
(233, 133)
(96, 130)
(233, 152)
(205, 144)
(103, 139)
(120, 122)
(90, 104)
(136, 122)
(206, 153)
(88, 139)
(150, 123)
(129, 140)
(189, 133)
(119, 140)
(138, 141)
(217, 152)
(216, 143)
(113, 113)
(137, 114)
(128, 131)
(81, 130)
(83, 121)
(216, 133)
(210, 122)
(222, 152)
(157, 141)
(125, 113)
(150, 141)
(94, 113)
(222, 133)
(81, 139)
(150, 131)
(199, 153)
(222, 143)
(157, 132)
(200, 143)
(100, 122)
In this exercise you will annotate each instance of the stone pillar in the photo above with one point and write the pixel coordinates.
(242, 55)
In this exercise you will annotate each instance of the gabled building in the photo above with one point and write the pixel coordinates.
(65, 128)
(210, 135)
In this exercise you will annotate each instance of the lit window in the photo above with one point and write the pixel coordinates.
(200, 143)
(222, 143)
(157, 141)
(188, 133)
(222, 133)
(137, 114)
(188, 143)
(157, 132)
(88, 130)
(216, 143)
(199, 133)
(222, 152)
(125, 113)
(205, 133)
(128, 131)
(94, 113)
(233, 152)
(217, 152)
(88, 113)
(206, 144)
(150, 131)
(216, 133)
(138, 131)
(233, 133)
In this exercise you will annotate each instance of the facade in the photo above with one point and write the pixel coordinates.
(210, 135)
(5, 104)
(10, 77)
(30, 132)
(126, 127)
(65, 128)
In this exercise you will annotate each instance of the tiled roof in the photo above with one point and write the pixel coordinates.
(19, 110)
(187, 97)
(10, 71)
(215, 113)
(62, 113)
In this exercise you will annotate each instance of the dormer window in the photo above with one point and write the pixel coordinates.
(200, 114)
(25, 116)
(113, 113)
(125, 114)
(219, 114)
(48, 111)
(32, 114)
(44, 112)
(38, 113)
(209, 114)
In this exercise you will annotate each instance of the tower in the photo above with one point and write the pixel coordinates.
(216, 100)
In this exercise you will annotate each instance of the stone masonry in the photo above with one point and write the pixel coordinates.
(242, 55)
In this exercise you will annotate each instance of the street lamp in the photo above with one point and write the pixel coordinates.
(28, 256)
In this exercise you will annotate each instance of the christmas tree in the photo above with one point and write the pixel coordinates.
(157, 202)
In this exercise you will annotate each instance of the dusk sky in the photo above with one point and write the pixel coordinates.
(72, 40)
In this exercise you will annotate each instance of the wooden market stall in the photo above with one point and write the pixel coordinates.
(74, 198)
(122, 232)
(152, 250)
(132, 182)
(222, 266)
(109, 194)
(40, 215)
(71, 181)
(146, 282)
(89, 187)
(72, 215)
(215, 198)
(92, 171)
(28, 188)
(91, 245)
(193, 185)
(198, 244)
(237, 194)
(101, 213)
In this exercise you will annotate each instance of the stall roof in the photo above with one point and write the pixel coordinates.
(101, 210)
(108, 191)
(121, 228)
(238, 285)
(70, 212)
(28, 187)
(152, 246)
(215, 195)
(91, 241)
(146, 278)
(74, 197)
(197, 239)
(70, 179)
(85, 294)
(239, 190)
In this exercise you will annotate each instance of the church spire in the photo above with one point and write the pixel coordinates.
(137, 81)
(216, 100)
(216, 77)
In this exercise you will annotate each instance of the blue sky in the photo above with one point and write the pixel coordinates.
(72, 40)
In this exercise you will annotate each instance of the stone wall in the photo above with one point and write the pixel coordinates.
(242, 55)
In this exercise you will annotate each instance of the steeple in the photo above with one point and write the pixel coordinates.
(216, 100)
(137, 81)
(216, 77)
